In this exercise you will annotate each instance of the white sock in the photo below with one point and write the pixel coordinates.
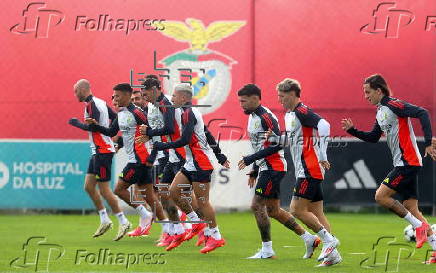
(187, 225)
(122, 218)
(412, 220)
(432, 241)
(215, 233)
(325, 235)
(267, 246)
(165, 225)
(104, 218)
(306, 236)
(145, 216)
(178, 229)
(207, 231)
(192, 216)
(171, 229)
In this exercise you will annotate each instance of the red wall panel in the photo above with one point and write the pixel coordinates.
(317, 42)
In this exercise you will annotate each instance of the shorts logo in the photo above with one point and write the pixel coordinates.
(102, 172)
(129, 174)
(396, 181)
(268, 188)
(303, 187)
(208, 70)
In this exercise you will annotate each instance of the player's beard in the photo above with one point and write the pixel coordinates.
(247, 112)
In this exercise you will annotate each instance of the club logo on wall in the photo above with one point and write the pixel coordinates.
(210, 70)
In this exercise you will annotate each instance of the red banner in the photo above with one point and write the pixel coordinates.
(329, 46)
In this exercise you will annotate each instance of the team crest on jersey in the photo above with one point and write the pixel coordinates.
(210, 70)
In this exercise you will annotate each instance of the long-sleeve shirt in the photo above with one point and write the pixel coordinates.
(98, 110)
(306, 136)
(165, 126)
(308, 133)
(128, 121)
(198, 152)
(265, 155)
(393, 119)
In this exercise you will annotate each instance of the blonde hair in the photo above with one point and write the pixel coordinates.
(288, 85)
(186, 88)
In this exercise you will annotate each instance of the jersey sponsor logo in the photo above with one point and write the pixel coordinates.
(359, 177)
(386, 128)
(383, 116)
(209, 70)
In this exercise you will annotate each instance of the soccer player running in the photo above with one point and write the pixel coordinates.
(269, 168)
(196, 171)
(102, 148)
(393, 120)
(137, 171)
(143, 229)
(156, 114)
(307, 134)
(169, 117)
(163, 127)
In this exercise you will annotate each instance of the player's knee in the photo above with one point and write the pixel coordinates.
(90, 189)
(379, 198)
(105, 192)
(255, 207)
(272, 211)
(408, 206)
(174, 193)
(292, 210)
(118, 191)
(297, 213)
